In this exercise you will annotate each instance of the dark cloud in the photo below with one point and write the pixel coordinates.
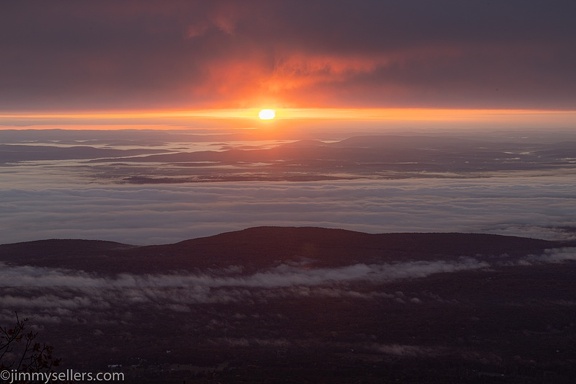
(137, 54)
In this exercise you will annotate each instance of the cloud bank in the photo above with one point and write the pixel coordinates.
(52, 293)
(541, 207)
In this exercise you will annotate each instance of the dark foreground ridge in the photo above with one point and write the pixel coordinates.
(264, 247)
(303, 305)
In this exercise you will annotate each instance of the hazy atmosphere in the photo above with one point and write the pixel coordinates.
(159, 187)
(285, 191)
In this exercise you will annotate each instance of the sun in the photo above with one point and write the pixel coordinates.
(267, 114)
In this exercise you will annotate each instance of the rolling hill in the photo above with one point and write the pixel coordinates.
(297, 305)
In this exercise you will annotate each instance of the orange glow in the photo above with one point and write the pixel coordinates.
(173, 119)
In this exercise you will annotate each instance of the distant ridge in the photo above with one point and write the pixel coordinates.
(262, 247)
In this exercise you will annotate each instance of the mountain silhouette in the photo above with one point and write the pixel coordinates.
(264, 247)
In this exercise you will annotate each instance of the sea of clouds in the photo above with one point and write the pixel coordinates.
(541, 207)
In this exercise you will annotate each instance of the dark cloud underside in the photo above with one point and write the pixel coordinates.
(139, 54)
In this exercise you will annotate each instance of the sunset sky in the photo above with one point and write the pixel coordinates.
(266, 188)
(69, 61)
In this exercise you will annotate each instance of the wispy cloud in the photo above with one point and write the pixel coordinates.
(278, 277)
(58, 293)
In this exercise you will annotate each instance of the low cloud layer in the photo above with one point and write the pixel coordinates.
(279, 277)
(55, 295)
(541, 207)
